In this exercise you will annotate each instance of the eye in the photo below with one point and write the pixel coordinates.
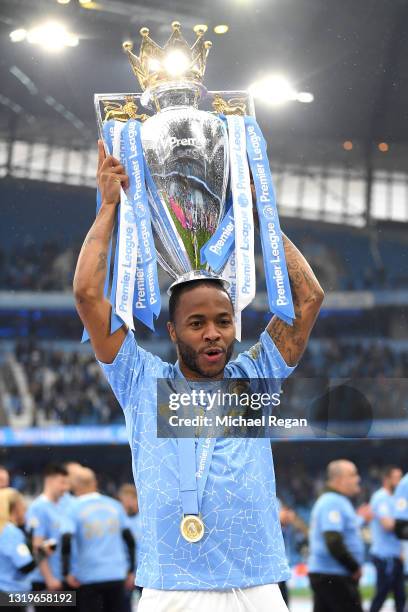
(225, 322)
(195, 324)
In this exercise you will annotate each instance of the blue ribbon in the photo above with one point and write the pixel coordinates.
(146, 301)
(116, 322)
(276, 273)
(191, 486)
(219, 247)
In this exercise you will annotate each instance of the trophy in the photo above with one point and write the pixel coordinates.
(189, 203)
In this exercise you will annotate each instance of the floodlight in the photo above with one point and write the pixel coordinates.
(18, 35)
(274, 90)
(52, 36)
(277, 90)
(305, 97)
(221, 29)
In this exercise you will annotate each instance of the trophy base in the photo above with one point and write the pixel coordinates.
(195, 275)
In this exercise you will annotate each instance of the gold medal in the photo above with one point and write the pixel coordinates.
(192, 528)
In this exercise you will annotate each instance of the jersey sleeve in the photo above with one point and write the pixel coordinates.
(382, 508)
(331, 517)
(37, 521)
(18, 551)
(126, 371)
(263, 360)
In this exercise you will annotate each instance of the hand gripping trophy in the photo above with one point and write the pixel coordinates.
(187, 152)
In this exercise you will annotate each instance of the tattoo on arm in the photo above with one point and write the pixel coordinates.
(291, 340)
(101, 267)
(90, 239)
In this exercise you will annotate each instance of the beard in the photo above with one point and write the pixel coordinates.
(189, 356)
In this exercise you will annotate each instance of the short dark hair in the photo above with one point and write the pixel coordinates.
(387, 471)
(188, 286)
(55, 469)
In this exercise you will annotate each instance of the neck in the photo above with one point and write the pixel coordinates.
(336, 489)
(87, 491)
(50, 495)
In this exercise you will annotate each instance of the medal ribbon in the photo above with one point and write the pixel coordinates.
(276, 273)
(192, 479)
(193, 473)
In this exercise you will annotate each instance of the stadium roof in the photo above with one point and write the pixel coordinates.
(350, 55)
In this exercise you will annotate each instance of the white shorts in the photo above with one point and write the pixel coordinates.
(264, 598)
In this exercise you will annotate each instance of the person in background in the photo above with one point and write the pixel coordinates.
(289, 520)
(46, 521)
(386, 548)
(101, 553)
(401, 508)
(16, 559)
(336, 547)
(66, 500)
(127, 495)
(4, 477)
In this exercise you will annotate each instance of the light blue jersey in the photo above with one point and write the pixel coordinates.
(47, 520)
(135, 526)
(242, 544)
(333, 512)
(99, 553)
(385, 543)
(14, 554)
(401, 499)
(66, 502)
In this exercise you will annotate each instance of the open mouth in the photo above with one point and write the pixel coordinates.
(213, 354)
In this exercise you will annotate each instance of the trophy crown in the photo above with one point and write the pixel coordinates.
(175, 60)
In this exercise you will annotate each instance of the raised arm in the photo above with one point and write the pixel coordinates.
(93, 308)
(307, 297)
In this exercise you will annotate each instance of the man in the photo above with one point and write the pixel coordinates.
(103, 548)
(286, 518)
(386, 548)
(401, 508)
(241, 556)
(128, 498)
(73, 469)
(336, 548)
(46, 521)
(290, 522)
(127, 495)
(4, 477)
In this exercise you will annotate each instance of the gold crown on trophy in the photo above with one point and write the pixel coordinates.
(176, 60)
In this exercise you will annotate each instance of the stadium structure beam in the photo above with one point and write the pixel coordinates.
(393, 52)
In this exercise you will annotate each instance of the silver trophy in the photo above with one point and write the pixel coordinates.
(185, 144)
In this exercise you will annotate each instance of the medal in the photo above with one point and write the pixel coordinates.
(192, 527)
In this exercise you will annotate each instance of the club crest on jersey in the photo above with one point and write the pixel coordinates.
(334, 516)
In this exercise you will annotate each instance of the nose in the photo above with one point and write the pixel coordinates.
(211, 333)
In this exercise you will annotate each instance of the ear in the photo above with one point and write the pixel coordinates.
(172, 331)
